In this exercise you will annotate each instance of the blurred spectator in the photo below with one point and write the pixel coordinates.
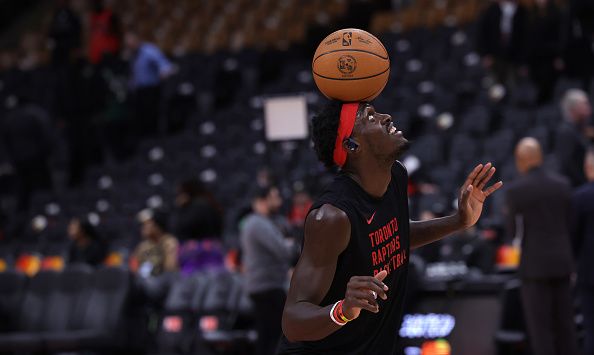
(301, 204)
(266, 258)
(573, 135)
(197, 214)
(538, 204)
(31, 51)
(86, 245)
(501, 39)
(583, 235)
(104, 36)
(148, 67)
(64, 33)
(580, 41)
(27, 138)
(545, 46)
(157, 253)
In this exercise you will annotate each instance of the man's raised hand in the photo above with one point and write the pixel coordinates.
(473, 193)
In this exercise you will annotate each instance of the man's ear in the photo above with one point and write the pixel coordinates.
(351, 145)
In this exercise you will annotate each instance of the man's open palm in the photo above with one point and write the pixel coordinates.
(473, 193)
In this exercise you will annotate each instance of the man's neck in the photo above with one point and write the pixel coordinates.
(373, 179)
(157, 238)
(262, 212)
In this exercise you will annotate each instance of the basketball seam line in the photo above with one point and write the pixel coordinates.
(350, 50)
(365, 98)
(366, 77)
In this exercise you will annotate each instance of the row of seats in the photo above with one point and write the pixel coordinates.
(79, 308)
(82, 308)
(215, 304)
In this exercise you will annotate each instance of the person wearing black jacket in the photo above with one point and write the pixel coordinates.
(538, 208)
(197, 214)
(86, 246)
(583, 235)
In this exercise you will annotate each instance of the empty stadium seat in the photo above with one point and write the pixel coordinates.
(12, 287)
(177, 323)
(32, 312)
(98, 323)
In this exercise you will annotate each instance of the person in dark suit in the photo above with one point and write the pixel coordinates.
(538, 208)
(582, 230)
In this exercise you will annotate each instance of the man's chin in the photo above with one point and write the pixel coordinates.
(402, 147)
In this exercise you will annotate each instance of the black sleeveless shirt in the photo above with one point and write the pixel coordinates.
(379, 240)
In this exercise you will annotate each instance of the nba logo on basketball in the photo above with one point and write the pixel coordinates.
(346, 38)
(347, 64)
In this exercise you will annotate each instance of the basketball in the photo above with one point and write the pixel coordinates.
(351, 65)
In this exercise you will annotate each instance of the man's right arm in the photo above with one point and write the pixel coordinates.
(327, 234)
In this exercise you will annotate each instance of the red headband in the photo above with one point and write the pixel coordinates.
(348, 113)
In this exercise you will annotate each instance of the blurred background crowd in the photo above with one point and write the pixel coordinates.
(133, 139)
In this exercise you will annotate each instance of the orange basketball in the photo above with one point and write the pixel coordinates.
(351, 65)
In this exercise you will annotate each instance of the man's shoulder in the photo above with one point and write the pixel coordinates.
(544, 179)
(327, 216)
(558, 179)
(250, 220)
(149, 48)
(584, 191)
(565, 130)
(519, 184)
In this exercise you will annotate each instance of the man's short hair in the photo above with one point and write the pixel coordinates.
(324, 130)
(262, 192)
(569, 99)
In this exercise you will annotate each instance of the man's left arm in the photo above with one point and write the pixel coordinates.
(470, 206)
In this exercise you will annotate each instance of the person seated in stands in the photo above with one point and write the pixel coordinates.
(87, 246)
(157, 253)
(197, 214)
(197, 221)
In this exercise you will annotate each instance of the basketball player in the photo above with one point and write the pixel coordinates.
(347, 291)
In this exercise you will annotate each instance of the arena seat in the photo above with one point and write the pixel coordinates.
(34, 305)
(69, 298)
(177, 322)
(12, 287)
(498, 147)
(234, 324)
(519, 120)
(476, 120)
(97, 325)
